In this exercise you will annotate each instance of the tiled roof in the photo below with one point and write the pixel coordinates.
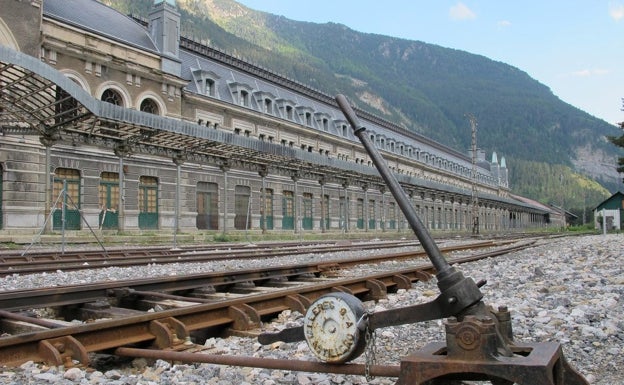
(102, 20)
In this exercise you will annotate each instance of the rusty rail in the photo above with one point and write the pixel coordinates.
(66, 295)
(16, 263)
(171, 327)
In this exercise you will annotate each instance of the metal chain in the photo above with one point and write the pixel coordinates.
(369, 353)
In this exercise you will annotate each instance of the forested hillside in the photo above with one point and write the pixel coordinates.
(426, 88)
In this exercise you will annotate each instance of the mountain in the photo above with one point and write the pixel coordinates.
(426, 88)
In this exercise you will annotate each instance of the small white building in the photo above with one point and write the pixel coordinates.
(612, 209)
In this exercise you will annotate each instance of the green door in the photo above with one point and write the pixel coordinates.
(207, 206)
(268, 211)
(288, 211)
(148, 203)
(326, 211)
(342, 202)
(392, 215)
(306, 222)
(66, 197)
(372, 223)
(242, 209)
(109, 200)
(360, 213)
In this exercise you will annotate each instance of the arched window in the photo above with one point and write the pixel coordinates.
(149, 106)
(112, 96)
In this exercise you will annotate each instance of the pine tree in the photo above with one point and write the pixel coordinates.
(619, 141)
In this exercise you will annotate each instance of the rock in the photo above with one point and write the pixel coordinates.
(74, 374)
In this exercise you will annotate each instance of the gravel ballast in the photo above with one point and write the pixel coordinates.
(569, 290)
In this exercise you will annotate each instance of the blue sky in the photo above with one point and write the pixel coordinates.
(575, 47)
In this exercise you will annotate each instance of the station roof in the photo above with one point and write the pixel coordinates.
(36, 99)
(100, 19)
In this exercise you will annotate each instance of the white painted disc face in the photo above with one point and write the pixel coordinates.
(330, 327)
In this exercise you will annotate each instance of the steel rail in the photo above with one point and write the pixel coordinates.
(93, 259)
(74, 294)
(172, 327)
(21, 255)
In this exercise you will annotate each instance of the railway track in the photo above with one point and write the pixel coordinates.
(189, 307)
(42, 261)
(21, 262)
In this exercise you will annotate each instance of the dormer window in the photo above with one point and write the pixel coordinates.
(322, 120)
(209, 89)
(305, 115)
(341, 127)
(285, 108)
(243, 98)
(206, 82)
(264, 100)
(241, 93)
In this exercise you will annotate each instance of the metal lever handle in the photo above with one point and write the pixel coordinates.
(427, 242)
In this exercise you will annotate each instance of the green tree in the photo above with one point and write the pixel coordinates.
(619, 141)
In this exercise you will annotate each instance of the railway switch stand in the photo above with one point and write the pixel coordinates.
(479, 342)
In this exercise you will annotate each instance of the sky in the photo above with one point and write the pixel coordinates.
(574, 47)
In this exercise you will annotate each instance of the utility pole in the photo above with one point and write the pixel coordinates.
(473, 176)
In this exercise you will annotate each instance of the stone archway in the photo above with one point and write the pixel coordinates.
(6, 36)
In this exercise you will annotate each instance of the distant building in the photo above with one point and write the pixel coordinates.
(612, 209)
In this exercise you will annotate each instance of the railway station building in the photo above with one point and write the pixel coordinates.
(121, 124)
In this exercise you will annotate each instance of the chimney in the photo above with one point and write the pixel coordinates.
(164, 27)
